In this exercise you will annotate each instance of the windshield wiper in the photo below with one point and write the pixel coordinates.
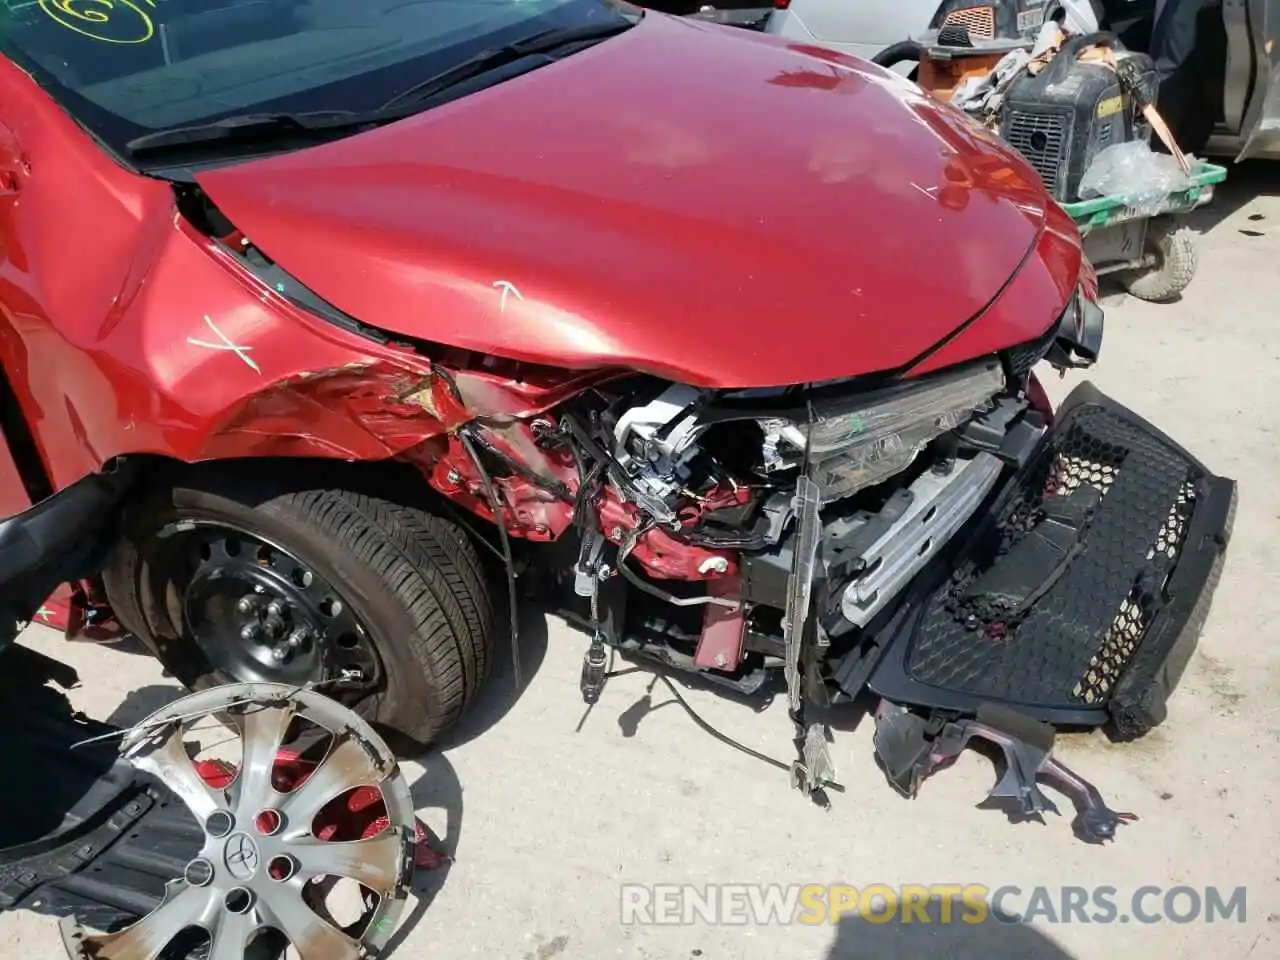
(545, 41)
(283, 125)
(248, 124)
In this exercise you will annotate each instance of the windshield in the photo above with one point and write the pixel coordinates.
(128, 68)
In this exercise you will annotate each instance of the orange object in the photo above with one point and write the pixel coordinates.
(941, 76)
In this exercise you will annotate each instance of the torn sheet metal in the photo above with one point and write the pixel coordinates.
(815, 770)
(807, 502)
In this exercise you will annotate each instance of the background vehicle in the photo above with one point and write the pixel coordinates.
(1223, 97)
(353, 345)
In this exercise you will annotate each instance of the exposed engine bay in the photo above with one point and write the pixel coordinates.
(789, 537)
(800, 534)
(736, 492)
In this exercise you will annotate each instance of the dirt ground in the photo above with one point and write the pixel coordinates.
(549, 813)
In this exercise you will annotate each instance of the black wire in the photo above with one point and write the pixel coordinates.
(586, 490)
(463, 521)
(553, 487)
(709, 729)
(499, 519)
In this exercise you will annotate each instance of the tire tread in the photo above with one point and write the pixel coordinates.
(426, 562)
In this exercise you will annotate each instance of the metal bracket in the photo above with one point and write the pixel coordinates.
(808, 501)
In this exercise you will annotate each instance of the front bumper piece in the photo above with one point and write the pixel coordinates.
(1077, 595)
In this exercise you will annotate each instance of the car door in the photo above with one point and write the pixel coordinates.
(1260, 129)
(22, 480)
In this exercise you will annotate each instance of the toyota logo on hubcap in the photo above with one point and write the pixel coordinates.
(242, 856)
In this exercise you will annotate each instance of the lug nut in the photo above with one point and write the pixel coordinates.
(281, 653)
(248, 603)
(198, 872)
(275, 609)
(282, 867)
(299, 637)
(219, 823)
(250, 632)
(238, 900)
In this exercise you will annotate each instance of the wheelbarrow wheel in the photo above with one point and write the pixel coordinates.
(1173, 251)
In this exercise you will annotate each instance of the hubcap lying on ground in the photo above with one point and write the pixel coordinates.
(273, 846)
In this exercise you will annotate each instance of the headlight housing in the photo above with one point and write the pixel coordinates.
(859, 442)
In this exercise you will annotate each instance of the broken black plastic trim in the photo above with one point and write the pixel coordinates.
(1106, 643)
(1140, 699)
(1079, 336)
(88, 835)
(64, 537)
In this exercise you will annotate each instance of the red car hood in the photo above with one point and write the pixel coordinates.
(694, 201)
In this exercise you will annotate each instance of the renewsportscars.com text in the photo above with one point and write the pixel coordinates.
(938, 903)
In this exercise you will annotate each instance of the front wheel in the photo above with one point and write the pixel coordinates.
(227, 578)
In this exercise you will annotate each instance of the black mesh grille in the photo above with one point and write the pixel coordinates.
(1042, 139)
(1072, 643)
(1026, 355)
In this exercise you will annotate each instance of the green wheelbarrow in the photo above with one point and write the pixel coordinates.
(1151, 251)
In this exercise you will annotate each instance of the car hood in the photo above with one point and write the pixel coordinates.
(690, 200)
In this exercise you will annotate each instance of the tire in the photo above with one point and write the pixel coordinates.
(1174, 249)
(413, 580)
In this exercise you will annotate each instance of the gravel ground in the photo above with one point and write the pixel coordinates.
(548, 813)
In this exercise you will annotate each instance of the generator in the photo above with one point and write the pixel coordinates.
(1002, 19)
(1063, 116)
(1059, 114)
(1044, 76)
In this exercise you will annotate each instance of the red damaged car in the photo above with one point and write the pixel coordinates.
(719, 345)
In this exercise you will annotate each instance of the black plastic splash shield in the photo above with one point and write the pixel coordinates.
(83, 832)
(1110, 627)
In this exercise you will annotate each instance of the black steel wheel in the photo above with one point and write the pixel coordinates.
(257, 612)
(228, 578)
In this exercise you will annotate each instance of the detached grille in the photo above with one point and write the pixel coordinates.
(1073, 643)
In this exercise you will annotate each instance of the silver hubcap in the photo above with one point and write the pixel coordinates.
(260, 852)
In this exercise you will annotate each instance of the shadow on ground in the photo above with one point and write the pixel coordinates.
(861, 939)
(141, 703)
(1245, 183)
(437, 797)
(500, 692)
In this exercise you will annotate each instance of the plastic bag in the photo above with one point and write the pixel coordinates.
(1136, 174)
(983, 94)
